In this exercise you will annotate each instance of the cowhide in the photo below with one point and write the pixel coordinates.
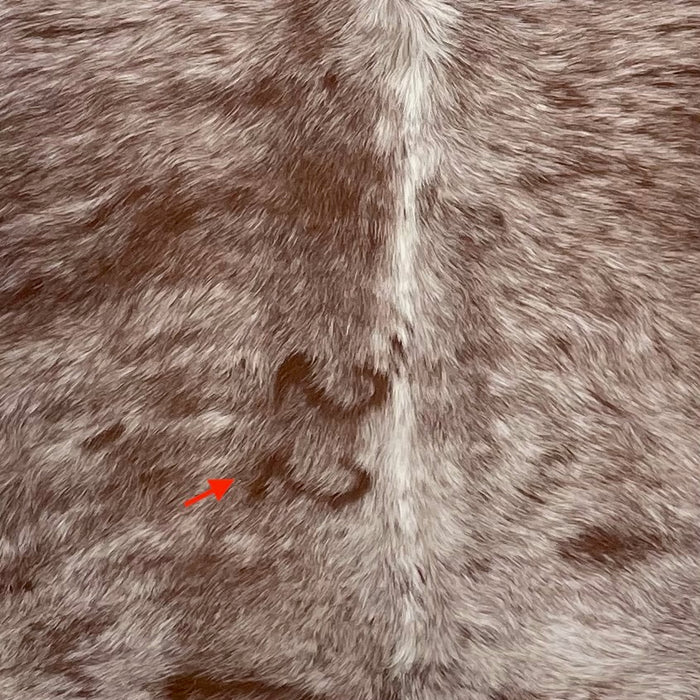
(422, 276)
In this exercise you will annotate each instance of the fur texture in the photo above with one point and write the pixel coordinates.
(423, 276)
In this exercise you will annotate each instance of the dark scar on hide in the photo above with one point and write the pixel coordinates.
(297, 370)
(277, 466)
(363, 484)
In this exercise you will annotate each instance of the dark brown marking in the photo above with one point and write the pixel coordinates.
(363, 484)
(61, 640)
(298, 370)
(100, 440)
(75, 29)
(496, 217)
(21, 295)
(267, 94)
(140, 452)
(57, 410)
(182, 402)
(330, 82)
(16, 578)
(263, 569)
(293, 371)
(277, 466)
(610, 547)
(197, 686)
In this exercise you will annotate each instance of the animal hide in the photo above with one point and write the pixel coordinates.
(423, 277)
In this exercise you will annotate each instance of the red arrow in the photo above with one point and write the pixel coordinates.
(217, 487)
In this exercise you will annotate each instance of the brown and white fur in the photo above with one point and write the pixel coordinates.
(423, 276)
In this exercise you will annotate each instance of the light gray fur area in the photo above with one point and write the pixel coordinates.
(423, 277)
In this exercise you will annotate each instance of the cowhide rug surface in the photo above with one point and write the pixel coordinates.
(422, 277)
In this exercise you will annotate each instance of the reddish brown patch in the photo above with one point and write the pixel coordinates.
(610, 547)
(21, 295)
(148, 463)
(272, 466)
(268, 93)
(35, 26)
(38, 300)
(17, 577)
(105, 437)
(198, 686)
(174, 392)
(330, 82)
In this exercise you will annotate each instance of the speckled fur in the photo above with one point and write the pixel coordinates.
(423, 276)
